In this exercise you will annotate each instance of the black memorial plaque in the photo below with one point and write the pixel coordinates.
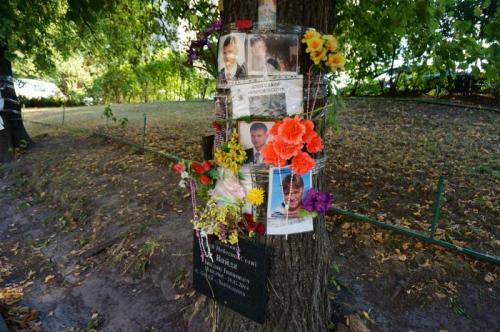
(239, 284)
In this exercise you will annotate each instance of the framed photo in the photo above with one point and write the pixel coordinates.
(231, 57)
(276, 97)
(272, 54)
(253, 136)
(285, 195)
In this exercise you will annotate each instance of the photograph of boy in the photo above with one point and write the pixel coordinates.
(232, 57)
(261, 62)
(286, 193)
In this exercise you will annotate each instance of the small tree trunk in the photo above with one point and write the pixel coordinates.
(297, 287)
(15, 135)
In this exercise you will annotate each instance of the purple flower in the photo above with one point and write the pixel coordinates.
(317, 201)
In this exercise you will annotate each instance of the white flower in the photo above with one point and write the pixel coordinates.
(182, 183)
(184, 175)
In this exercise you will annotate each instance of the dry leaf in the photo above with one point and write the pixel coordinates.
(419, 245)
(378, 237)
(490, 277)
(402, 257)
(49, 278)
(10, 295)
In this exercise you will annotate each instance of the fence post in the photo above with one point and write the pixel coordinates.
(144, 131)
(63, 114)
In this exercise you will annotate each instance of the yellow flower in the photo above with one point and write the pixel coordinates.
(318, 56)
(309, 34)
(314, 45)
(335, 61)
(255, 196)
(331, 43)
(233, 238)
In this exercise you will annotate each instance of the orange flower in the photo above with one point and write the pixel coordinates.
(310, 34)
(310, 133)
(302, 163)
(270, 156)
(314, 45)
(275, 127)
(291, 131)
(286, 150)
(315, 145)
(318, 55)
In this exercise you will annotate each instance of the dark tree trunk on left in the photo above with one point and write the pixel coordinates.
(14, 135)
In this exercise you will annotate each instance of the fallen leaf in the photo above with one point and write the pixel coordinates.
(490, 277)
(419, 245)
(49, 278)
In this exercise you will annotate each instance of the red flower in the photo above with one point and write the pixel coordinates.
(197, 167)
(217, 127)
(179, 168)
(248, 217)
(292, 131)
(205, 180)
(260, 229)
(285, 150)
(302, 163)
(270, 156)
(315, 145)
(207, 165)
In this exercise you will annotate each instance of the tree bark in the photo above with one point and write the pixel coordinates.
(14, 135)
(298, 280)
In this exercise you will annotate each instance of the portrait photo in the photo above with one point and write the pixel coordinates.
(272, 54)
(285, 214)
(253, 136)
(231, 57)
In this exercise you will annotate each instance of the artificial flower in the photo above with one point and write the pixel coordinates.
(315, 145)
(233, 238)
(179, 168)
(302, 163)
(314, 45)
(207, 165)
(206, 180)
(274, 129)
(331, 43)
(260, 229)
(231, 155)
(255, 196)
(184, 175)
(310, 133)
(317, 201)
(310, 34)
(197, 167)
(285, 150)
(335, 61)
(216, 126)
(291, 130)
(270, 156)
(319, 55)
(228, 189)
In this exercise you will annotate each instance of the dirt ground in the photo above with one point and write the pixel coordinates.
(95, 236)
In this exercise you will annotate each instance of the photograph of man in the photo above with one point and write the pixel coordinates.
(260, 61)
(232, 57)
(258, 136)
(286, 192)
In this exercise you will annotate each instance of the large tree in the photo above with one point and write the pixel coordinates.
(299, 264)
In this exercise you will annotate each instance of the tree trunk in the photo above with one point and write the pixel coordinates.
(297, 287)
(14, 135)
